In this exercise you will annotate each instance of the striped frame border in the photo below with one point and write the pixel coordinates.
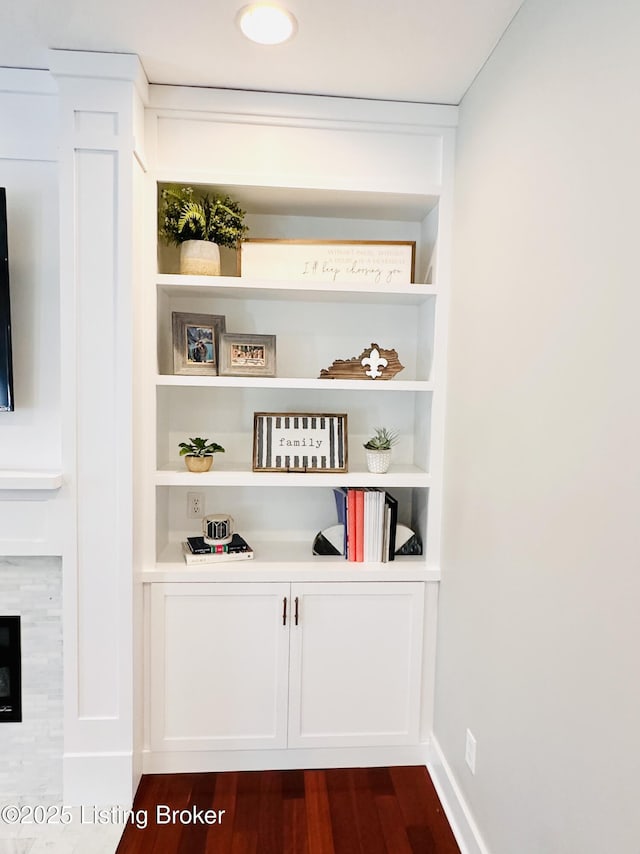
(268, 458)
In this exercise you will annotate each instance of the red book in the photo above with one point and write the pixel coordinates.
(359, 525)
(351, 524)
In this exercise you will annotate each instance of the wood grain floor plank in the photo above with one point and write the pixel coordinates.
(293, 784)
(270, 813)
(338, 811)
(421, 840)
(392, 823)
(421, 806)
(316, 799)
(369, 831)
(245, 828)
(379, 781)
(194, 833)
(344, 825)
(220, 837)
(176, 796)
(295, 835)
(135, 840)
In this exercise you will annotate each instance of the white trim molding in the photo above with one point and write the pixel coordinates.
(453, 803)
(100, 111)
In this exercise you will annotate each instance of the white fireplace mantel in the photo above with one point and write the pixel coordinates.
(27, 479)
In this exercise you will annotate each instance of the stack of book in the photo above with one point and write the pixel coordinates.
(197, 551)
(370, 518)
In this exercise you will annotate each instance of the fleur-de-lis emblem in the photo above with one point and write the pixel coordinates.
(377, 363)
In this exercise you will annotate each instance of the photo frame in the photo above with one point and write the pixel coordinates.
(300, 442)
(196, 341)
(244, 355)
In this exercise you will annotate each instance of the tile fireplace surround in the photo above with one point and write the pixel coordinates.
(31, 751)
(31, 767)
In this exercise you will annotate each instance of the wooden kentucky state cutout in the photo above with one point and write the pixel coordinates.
(373, 363)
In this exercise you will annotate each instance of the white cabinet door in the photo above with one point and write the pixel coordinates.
(355, 664)
(219, 659)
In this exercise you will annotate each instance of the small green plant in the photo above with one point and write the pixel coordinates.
(382, 440)
(183, 215)
(199, 448)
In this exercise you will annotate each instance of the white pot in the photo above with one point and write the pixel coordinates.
(199, 258)
(378, 462)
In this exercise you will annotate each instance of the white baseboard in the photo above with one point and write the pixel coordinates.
(175, 761)
(454, 805)
(101, 779)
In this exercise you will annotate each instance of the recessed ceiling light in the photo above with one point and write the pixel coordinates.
(266, 23)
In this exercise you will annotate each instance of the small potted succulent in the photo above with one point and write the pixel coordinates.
(378, 449)
(199, 224)
(198, 453)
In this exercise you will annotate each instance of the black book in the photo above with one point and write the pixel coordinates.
(198, 546)
(392, 504)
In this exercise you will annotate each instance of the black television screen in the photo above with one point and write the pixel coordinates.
(6, 367)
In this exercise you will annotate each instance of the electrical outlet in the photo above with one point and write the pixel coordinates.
(195, 505)
(470, 752)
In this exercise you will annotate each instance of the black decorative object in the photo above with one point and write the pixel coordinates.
(330, 541)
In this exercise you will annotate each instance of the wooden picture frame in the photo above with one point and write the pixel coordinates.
(245, 355)
(300, 442)
(357, 262)
(196, 340)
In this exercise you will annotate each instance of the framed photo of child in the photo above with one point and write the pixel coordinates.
(196, 342)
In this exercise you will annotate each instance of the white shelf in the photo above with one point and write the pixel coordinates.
(235, 287)
(21, 479)
(287, 561)
(320, 201)
(377, 386)
(234, 474)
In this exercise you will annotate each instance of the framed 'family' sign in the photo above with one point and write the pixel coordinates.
(299, 442)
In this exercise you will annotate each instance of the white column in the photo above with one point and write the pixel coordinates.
(101, 99)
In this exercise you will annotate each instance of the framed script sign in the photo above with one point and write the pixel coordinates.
(299, 442)
(353, 262)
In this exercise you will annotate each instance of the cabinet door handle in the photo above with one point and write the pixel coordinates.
(296, 612)
(284, 611)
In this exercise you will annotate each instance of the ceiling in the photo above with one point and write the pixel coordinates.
(427, 51)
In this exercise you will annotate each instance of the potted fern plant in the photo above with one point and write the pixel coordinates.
(198, 453)
(378, 449)
(199, 224)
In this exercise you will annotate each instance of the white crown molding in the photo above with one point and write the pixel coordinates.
(103, 66)
(238, 105)
(26, 81)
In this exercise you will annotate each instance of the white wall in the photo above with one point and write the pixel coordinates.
(539, 628)
(30, 586)
(30, 436)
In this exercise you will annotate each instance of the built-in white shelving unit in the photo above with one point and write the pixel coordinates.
(314, 324)
(392, 183)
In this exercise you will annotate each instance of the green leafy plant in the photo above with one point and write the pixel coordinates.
(183, 215)
(199, 448)
(382, 440)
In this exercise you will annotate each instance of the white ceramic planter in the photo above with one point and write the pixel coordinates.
(378, 462)
(199, 258)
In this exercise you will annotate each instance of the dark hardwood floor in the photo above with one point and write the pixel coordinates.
(338, 811)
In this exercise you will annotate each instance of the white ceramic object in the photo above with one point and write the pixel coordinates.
(378, 462)
(199, 258)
